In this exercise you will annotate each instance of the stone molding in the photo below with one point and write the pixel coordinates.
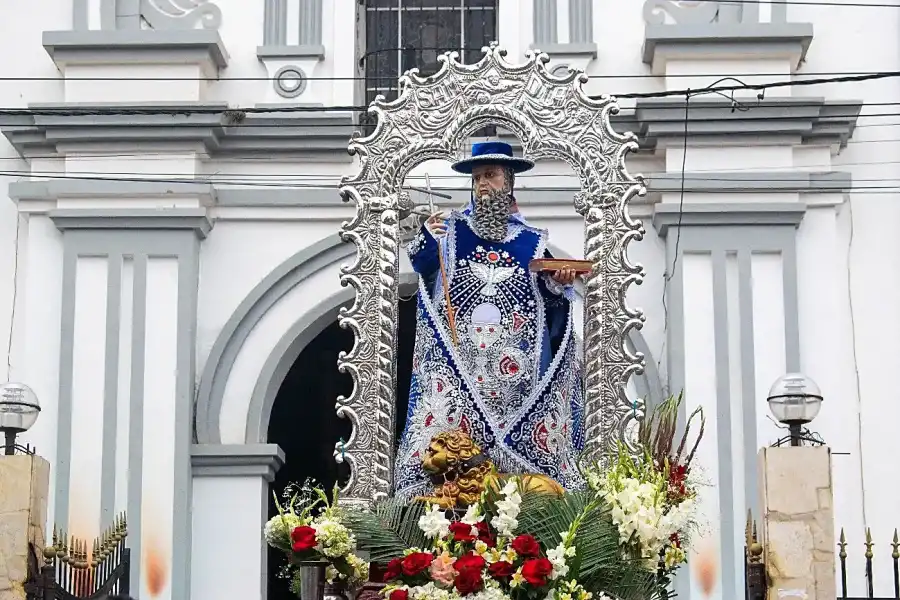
(193, 219)
(131, 15)
(759, 41)
(708, 214)
(143, 46)
(236, 460)
(220, 132)
(717, 30)
(810, 121)
(316, 135)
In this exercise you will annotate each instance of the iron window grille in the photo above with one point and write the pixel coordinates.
(403, 34)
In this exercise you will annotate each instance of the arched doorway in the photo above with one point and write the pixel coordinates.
(303, 421)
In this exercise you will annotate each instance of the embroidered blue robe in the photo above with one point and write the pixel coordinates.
(514, 382)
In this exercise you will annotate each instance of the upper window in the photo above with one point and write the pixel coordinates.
(402, 34)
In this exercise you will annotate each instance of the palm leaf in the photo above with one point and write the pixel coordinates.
(598, 564)
(388, 529)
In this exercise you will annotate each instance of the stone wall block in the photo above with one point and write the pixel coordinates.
(798, 523)
(25, 484)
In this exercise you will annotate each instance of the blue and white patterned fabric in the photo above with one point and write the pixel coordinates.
(514, 382)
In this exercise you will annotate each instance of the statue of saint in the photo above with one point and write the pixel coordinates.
(495, 351)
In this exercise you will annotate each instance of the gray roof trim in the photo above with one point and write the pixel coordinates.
(709, 214)
(308, 135)
(315, 51)
(811, 121)
(129, 218)
(752, 182)
(712, 40)
(236, 460)
(54, 189)
(136, 46)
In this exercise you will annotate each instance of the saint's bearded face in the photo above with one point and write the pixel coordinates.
(492, 187)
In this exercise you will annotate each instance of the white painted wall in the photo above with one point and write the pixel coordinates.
(849, 289)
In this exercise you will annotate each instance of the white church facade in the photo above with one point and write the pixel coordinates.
(170, 212)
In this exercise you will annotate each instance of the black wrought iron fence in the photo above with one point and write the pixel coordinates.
(755, 584)
(869, 571)
(74, 569)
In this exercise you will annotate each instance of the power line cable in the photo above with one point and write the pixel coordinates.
(239, 112)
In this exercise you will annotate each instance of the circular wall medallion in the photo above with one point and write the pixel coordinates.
(289, 81)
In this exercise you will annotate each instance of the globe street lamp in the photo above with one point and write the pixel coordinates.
(19, 409)
(794, 400)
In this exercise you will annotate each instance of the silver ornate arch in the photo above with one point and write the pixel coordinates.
(554, 119)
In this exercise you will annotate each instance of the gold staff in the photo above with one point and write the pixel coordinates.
(451, 312)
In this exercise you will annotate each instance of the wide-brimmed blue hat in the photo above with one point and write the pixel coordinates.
(492, 153)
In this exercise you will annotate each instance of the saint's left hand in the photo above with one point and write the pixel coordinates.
(564, 276)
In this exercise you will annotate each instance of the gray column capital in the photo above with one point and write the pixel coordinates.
(717, 214)
(236, 460)
(184, 219)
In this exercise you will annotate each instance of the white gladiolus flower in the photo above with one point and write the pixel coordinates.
(434, 523)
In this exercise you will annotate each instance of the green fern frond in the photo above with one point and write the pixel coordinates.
(388, 529)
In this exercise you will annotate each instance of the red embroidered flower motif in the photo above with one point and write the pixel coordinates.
(303, 538)
(525, 545)
(536, 571)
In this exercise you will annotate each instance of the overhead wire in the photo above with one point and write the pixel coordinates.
(236, 112)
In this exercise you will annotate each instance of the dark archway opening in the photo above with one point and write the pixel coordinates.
(304, 424)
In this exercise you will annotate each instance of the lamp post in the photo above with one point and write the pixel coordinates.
(19, 409)
(794, 400)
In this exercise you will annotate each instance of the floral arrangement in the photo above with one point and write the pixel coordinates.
(312, 527)
(483, 560)
(652, 493)
(621, 537)
(512, 545)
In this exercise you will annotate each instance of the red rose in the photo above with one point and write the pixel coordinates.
(461, 532)
(393, 569)
(485, 534)
(468, 582)
(526, 545)
(536, 570)
(501, 570)
(416, 562)
(399, 595)
(469, 562)
(303, 538)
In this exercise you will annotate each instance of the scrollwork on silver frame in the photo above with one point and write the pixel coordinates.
(554, 119)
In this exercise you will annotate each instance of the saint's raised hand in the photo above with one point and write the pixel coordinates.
(436, 224)
(564, 276)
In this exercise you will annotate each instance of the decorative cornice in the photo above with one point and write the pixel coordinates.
(202, 46)
(717, 41)
(670, 215)
(316, 52)
(811, 121)
(305, 134)
(236, 460)
(324, 135)
(194, 219)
